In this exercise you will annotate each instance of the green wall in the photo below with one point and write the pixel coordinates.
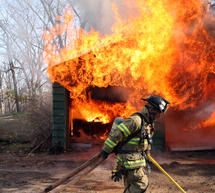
(60, 116)
(159, 136)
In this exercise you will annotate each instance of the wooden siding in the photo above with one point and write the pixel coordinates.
(159, 136)
(60, 116)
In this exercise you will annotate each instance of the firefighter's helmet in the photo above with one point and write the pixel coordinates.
(158, 102)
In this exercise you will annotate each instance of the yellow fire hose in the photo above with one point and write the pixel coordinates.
(162, 170)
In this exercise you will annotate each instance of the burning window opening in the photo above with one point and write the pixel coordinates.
(96, 127)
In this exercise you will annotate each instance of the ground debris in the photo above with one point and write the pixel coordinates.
(33, 174)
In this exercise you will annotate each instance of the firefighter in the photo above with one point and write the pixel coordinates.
(130, 139)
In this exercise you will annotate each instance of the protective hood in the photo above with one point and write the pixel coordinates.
(145, 113)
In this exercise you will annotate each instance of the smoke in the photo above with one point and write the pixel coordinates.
(210, 19)
(95, 13)
(99, 14)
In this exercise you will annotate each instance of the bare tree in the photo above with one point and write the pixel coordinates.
(11, 64)
(21, 39)
(25, 33)
(12, 69)
(1, 93)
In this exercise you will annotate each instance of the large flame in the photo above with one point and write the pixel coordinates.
(164, 49)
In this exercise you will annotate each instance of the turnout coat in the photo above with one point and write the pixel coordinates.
(131, 153)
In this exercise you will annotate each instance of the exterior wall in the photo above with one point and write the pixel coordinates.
(159, 136)
(60, 116)
(180, 136)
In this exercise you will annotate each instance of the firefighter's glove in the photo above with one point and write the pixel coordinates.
(104, 154)
(116, 175)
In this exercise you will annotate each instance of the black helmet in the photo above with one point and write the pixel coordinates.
(158, 102)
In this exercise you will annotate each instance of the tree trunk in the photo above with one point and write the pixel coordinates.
(1, 95)
(14, 86)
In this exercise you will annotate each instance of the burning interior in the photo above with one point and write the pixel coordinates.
(96, 126)
(165, 48)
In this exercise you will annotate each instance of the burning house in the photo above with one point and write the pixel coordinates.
(165, 48)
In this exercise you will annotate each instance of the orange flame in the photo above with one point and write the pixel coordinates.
(164, 49)
(210, 121)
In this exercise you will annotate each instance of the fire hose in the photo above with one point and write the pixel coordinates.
(93, 163)
(165, 173)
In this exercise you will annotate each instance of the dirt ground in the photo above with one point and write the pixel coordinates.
(194, 171)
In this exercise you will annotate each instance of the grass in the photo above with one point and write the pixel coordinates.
(15, 147)
(15, 133)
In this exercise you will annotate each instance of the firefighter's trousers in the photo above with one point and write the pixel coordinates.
(135, 180)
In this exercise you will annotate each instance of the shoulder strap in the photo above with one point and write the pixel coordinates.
(143, 119)
(142, 129)
(119, 145)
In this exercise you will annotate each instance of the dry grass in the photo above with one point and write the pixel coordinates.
(24, 131)
(15, 135)
(40, 120)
